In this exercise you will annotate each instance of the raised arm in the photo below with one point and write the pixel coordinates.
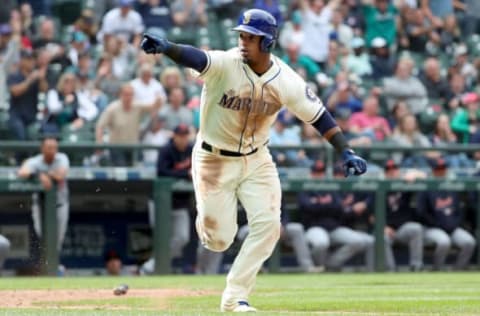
(184, 55)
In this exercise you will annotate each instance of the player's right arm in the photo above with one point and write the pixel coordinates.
(184, 55)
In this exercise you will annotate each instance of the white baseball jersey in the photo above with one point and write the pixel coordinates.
(238, 107)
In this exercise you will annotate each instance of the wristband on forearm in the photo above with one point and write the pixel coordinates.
(329, 129)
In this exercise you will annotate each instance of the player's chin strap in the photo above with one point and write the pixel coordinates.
(327, 126)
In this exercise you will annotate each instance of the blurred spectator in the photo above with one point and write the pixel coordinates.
(156, 14)
(369, 121)
(404, 86)
(399, 110)
(50, 167)
(354, 138)
(470, 22)
(123, 22)
(87, 24)
(401, 226)
(78, 46)
(170, 78)
(122, 55)
(122, 119)
(284, 132)
(24, 87)
(174, 160)
(9, 48)
(343, 98)
(271, 6)
(441, 213)
(357, 61)
(146, 88)
(67, 107)
(418, 31)
(156, 135)
(113, 263)
(176, 111)
(382, 61)
(450, 34)
(47, 38)
(292, 31)
(333, 63)
(316, 16)
(353, 15)
(436, 86)
(443, 136)
(105, 80)
(466, 120)
(437, 11)
(408, 135)
(456, 89)
(295, 60)
(4, 250)
(189, 14)
(321, 213)
(463, 66)
(26, 14)
(339, 30)
(381, 20)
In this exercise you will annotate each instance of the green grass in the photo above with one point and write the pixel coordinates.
(420, 294)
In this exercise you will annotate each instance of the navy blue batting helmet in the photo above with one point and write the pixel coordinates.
(259, 22)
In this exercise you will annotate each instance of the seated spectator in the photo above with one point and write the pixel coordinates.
(401, 226)
(332, 65)
(67, 107)
(174, 160)
(49, 167)
(358, 61)
(463, 65)
(124, 22)
(343, 98)
(437, 87)
(170, 78)
(271, 6)
(47, 38)
(466, 120)
(78, 46)
(419, 31)
(105, 80)
(450, 34)
(443, 136)
(292, 31)
(146, 88)
(176, 111)
(156, 14)
(456, 89)
(340, 30)
(382, 61)
(113, 263)
(4, 250)
(436, 11)
(470, 22)
(27, 19)
(400, 109)
(369, 121)
(24, 86)
(296, 61)
(408, 135)
(354, 138)
(122, 55)
(380, 20)
(122, 119)
(189, 14)
(441, 213)
(156, 135)
(87, 24)
(10, 42)
(322, 215)
(404, 86)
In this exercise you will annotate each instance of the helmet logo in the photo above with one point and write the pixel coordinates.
(246, 17)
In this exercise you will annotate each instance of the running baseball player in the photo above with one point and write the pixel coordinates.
(244, 89)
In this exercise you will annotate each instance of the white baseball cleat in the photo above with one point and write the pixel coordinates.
(240, 307)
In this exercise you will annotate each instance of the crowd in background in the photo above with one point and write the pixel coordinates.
(403, 72)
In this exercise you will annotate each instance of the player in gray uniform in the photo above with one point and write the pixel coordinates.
(244, 89)
(50, 167)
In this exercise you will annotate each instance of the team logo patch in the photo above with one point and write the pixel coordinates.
(310, 94)
(246, 17)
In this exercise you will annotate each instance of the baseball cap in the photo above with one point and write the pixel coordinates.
(378, 42)
(357, 42)
(438, 164)
(125, 3)
(390, 164)
(470, 97)
(181, 129)
(5, 29)
(318, 166)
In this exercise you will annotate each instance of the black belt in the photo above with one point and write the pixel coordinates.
(223, 152)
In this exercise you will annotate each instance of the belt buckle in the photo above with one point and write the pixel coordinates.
(215, 150)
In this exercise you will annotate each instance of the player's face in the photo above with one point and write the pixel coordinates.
(249, 45)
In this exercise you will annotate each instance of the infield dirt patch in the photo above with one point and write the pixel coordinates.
(55, 298)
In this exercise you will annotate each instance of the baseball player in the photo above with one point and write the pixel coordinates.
(244, 88)
(4, 249)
